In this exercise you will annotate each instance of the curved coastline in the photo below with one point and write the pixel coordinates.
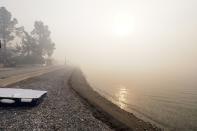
(105, 110)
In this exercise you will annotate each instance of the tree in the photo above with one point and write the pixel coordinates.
(30, 50)
(33, 48)
(7, 26)
(41, 34)
(49, 49)
(28, 44)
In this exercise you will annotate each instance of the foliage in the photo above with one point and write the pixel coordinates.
(41, 34)
(7, 24)
(34, 48)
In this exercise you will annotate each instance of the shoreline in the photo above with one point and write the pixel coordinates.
(104, 110)
(62, 109)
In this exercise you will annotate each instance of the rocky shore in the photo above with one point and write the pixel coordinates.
(62, 109)
(70, 105)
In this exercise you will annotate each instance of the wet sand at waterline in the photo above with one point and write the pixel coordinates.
(166, 99)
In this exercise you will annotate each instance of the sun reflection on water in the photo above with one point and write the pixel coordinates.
(122, 96)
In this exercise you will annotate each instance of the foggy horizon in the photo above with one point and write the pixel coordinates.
(134, 59)
(119, 34)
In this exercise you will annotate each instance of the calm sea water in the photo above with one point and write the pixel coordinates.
(167, 99)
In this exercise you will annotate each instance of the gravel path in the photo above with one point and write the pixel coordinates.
(62, 109)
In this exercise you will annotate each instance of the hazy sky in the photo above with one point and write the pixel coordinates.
(115, 32)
